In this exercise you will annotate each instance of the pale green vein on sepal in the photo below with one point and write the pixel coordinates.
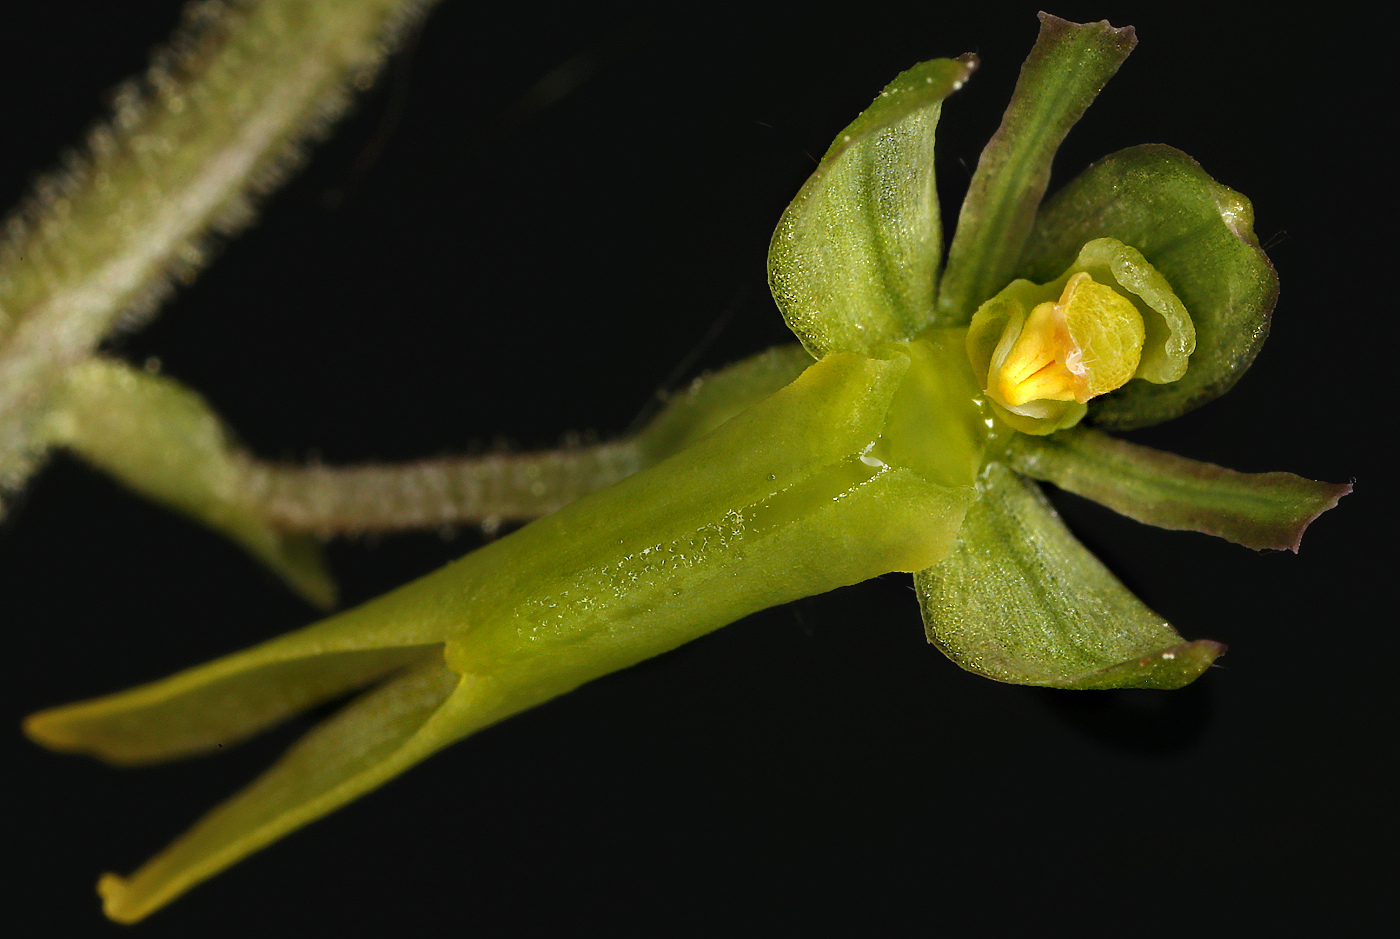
(1257, 510)
(854, 260)
(1069, 65)
(1021, 600)
(162, 440)
(1199, 235)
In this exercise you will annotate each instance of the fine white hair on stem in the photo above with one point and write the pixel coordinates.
(485, 490)
(215, 123)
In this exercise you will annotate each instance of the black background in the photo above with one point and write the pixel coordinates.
(462, 263)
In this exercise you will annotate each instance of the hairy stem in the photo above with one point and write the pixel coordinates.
(490, 489)
(217, 120)
(485, 490)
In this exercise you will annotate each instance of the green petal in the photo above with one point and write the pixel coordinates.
(1065, 71)
(1199, 235)
(162, 440)
(854, 260)
(1170, 336)
(1257, 510)
(1020, 600)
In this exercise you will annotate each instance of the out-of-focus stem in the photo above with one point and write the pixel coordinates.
(217, 120)
(493, 488)
(486, 490)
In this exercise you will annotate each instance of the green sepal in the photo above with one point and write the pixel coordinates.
(854, 260)
(1257, 510)
(712, 399)
(1199, 235)
(162, 440)
(1069, 65)
(1021, 600)
(215, 705)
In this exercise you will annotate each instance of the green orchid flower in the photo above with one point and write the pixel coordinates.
(903, 435)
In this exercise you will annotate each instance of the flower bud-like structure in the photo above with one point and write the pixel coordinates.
(1087, 343)
(1043, 351)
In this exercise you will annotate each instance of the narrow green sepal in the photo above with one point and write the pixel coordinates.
(854, 260)
(1067, 68)
(370, 741)
(417, 707)
(712, 399)
(1199, 235)
(1257, 510)
(1020, 600)
(212, 706)
(162, 440)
